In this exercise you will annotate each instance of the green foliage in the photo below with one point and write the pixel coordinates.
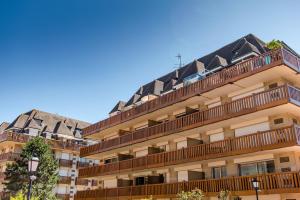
(21, 196)
(150, 198)
(274, 44)
(195, 194)
(17, 175)
(223, 195)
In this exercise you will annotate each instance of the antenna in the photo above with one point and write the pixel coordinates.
(179, 59)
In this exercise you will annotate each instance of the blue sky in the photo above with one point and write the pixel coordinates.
(78, 58)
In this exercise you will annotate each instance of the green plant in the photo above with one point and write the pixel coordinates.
(17, 175)
(223, 195)
(274, 44)
(21, 196)
(195, 194)
(150, 198)
(237, 198)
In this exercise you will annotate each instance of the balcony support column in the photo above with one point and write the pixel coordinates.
(172, 145)
(172, 176)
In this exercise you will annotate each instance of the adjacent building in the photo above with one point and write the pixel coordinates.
(65, 137)
(215, 123)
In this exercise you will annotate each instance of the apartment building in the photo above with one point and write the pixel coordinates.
(216, 123)
(65, 137)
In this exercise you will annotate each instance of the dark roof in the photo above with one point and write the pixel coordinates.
(191, 68)
(47, 122)
(153, 88)
(245, 49)
(118, 107)
(222, 57)
(217, 61)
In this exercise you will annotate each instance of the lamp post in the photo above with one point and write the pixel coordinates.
(32, 167)
(255, 184)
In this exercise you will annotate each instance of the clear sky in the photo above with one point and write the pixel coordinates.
(78, 58)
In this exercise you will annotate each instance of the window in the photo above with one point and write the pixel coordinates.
(111, 160)
(278, 121)
(219, 172)
(286, 169)
(140, 181)
(216, 137)
(257, 168)
(273, 85)
(284, 159)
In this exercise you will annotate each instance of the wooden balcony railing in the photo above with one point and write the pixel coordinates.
(64, 180)
(65, 163)
(246, 105)
(223, 77)
(63, 196)
(82, 182)
(82, 164)
(55, 144)
(266, 140)
(269, 184)
(9, 156)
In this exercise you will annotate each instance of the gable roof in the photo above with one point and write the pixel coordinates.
(118, 107)
(217, 61)
(47, 122)
(3, 126)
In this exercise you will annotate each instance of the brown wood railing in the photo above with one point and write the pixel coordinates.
(82, 182)
(266, 140)
(269, 183)
(55, 144)
(9, 156)
(64, 180)
(249, 104)
(63, 196)
(82, 164)
(225, 76)
(65, 163)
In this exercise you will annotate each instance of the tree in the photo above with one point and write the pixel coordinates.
(274, 44)
(195, 194)
(17, 176)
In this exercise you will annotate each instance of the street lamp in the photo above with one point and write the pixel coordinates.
(255, 184)
(32, 167)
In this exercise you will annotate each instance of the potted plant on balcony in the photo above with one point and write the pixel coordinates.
(274, 44)
(195, 194)
(223, 195)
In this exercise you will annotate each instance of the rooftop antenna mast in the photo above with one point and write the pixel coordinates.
(179, 59)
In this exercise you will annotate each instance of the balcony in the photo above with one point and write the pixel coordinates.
(63, 196)
(82, 164)
(256, 102)
(9, 156)
(84, 182)
(55, 144)
(64, 180)
(65, 163)
(223, 77)
(270, 184)
(267, 140)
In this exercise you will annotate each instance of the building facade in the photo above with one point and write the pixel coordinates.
(214, 124)
(64, 136)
